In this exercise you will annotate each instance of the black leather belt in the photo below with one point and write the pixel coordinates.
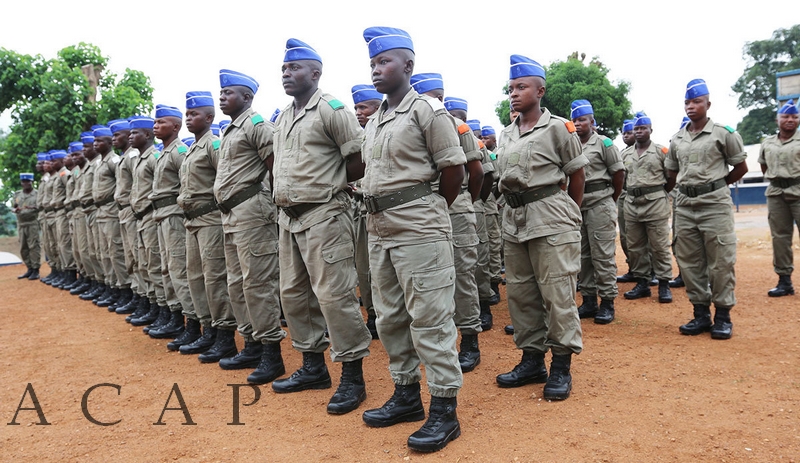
(376, 204)
(694, 191)
(48, 209)
(641, 191)
(88, 204)
(240, 197)
(104, 201)
(200, 211)
(76, 204)
(784, 182)
(144, 212)
(299, 209)
(596, 186)
(164, 202)
(515, 200)
(69, 208)
(122, 207)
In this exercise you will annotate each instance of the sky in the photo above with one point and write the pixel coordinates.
(182, 45)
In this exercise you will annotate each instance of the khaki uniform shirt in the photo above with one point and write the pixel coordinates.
(122, 195)
(246, 144)
(143, 167)
(645, 170)
(104, 185)
(782, 159)
(84, 186)
(542, 156)
(702, 158)
(29, 209)
(166, 178)
(403, 148)
(472, 151)
(72, 181)
(41, 194)
(59, 188)
(198, 172)
(604, 162)
(311, 151)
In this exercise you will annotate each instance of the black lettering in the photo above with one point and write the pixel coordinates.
(85, 404)
(186, 416)
(36, 406)
(256, 396)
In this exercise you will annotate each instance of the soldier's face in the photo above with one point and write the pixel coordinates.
(27, 185)
(583, 125)
(788, 122)
(628, 138)
(138, 138)
(198, 120)
(231, 100)
(642, 133)
(490, 141)
(77, 157)
(697, 108)
(101, 145)
(39, 166)
(365, 109)
(390, 70)
(165, 127)
(68, 163)
(88, 150)
(525, 93)
(120, 139)
(298, 77)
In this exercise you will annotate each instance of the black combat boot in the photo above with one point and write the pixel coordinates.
(405, 405)
(485, 316)
(701, 322)
(589, 307)
(784, 287)
(34, 274)
(469, 355)
(371, 326)
(224, 347)
(496, 288)
(626, 278)
(82, 288)
(723, 328)
(172, 329)
(104, 295)
(60, 276)
(50, 277)
(351, 391)
(26, 274)
(71, 276)
(113, 296)
(78, 281)
(130, 306)
(271, 365)
(653, 279)
(642, 289)
(605, 313)
(203, 343)
(442, 426)
(189, 335)
(92, 292)
(149, 317)
(664, 293)
(141, 310)
(509, 329)
(677, 282)
(312, 375)
(125, 296)
(249, 357)
(530, 369)
(164, 315)
(559, 383)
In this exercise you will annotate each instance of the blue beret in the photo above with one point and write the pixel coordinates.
(685, 121)
(474, 124)
(119, 125)
(426, 82)
(199, 99)
(224, 123)
(627, 125)
(43, 156)
(141, 122)
(75, 146)
(297, 50)
(522, 66)
(87, 138)
(163, 110)
(228, 78)
(696, 88)
(188, 141)
(487, 130)
(642, 119)
(580, 108)
(788, 108)
(380, 39)
(451, 103)
(26, 176)
(58, 154)
(215, 129)
(365, 92)
(102, 131)
(275, 115)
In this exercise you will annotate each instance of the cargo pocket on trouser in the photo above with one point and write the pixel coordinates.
(465, 252)
(340, 271)
(261, 264)
(432, 300)
(726, 251)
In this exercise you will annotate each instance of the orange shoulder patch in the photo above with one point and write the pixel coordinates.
(480, 144)
(61, 174)
(570, 126)
(463, 128)
(664, 149)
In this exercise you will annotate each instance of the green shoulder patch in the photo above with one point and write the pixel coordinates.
(493, 156)
(730, 129)
(336, 104)
(156, 154)
(215, 144)
(256, 119)
(607, 142)
(182, 150)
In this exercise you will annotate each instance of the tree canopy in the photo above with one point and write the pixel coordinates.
(757, 87)
(53, 101)
(572, 80)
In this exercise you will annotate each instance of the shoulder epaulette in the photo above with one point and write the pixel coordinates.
(570, 126)
(664, 149)
(730, 129)
(256, 119)
(215, 144)
(182, 150)
(156, 154)
(493, 156)
(434, 103)
(463, 128)
(481, 145)
(607, 142)
(336, 104)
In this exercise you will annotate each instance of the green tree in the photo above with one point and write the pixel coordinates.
(53, 101)
(757, 87)
(572, 80)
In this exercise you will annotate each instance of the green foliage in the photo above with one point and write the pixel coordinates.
(51, 103)
(8, 221)
(757, 87)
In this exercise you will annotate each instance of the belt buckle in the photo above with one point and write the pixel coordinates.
(636, 192)
(514, 200)
(290, 212)
(370, 204)
(691, 191)
(783, 183)
(223, 208)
